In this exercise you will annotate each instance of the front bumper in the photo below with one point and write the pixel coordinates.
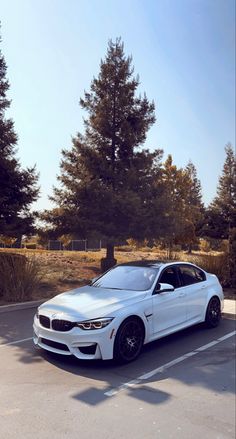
(87, 345)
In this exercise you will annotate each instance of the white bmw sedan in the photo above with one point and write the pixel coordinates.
(130, 305)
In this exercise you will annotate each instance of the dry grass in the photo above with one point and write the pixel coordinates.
(19, 277)
(64, 270)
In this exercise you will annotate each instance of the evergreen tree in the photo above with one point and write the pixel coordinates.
(174, 183)
(224, 207)
(225, 201)
(221, 214)
(183, 204)
(194, 192)
(232, 257)
(18, 187)
(106, 179)
(194, 208)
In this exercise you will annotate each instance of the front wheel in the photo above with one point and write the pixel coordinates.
(213, 313)
(129, 340)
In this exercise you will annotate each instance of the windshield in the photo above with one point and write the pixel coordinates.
(126, 277)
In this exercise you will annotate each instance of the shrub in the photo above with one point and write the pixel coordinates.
(124, 248)
(19, 277)
(215, 264)
(31, 246)
(224, 245)
(232, 257)
(137, 244)
(205, 245)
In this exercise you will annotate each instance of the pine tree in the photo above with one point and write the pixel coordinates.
(18, 187)
(183, 205)
(221, 214)
(174, 182)
(225, 201)
(194, 207)
(224, 207)
(106, 179)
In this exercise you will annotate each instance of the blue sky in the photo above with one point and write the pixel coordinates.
(183, 51)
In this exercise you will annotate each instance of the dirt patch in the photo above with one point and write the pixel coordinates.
(63, 270)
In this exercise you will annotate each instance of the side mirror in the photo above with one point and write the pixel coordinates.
(163, 288)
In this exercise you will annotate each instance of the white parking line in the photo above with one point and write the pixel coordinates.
(16, 342)
(230, 334)
(165, 366)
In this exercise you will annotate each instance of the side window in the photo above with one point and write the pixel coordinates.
(200, 274)
(169, 276)
(191, 275)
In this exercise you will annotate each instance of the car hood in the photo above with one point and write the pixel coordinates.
(90, 302)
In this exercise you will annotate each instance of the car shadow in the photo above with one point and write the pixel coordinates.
(205, 366)
(200, 370)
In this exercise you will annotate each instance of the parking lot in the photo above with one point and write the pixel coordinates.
(180, 387)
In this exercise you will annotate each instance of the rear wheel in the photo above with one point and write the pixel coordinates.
(129, 340)
(213, 313)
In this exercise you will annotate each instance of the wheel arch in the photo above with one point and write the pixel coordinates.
(137, 317)
(213, 315)
(127, 318)
(212, 296)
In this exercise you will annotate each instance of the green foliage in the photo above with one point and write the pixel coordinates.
(183, 205)
(18, 277)
(225, 201)
(221, 214)
(18, 187)
(107, 181)
(193, 199)
(232, 257)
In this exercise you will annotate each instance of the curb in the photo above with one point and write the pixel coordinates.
(22, 305)
(229, 315)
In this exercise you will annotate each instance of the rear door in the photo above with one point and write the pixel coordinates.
(169, 308)
(194, 285)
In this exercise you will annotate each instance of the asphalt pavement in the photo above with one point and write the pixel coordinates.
(182, 386)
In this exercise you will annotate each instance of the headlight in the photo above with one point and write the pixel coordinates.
(95, 324)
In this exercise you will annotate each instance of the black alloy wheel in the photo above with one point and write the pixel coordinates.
(213, 313)
(129, 340)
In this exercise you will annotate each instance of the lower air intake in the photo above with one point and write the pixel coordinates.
(88, 350)
(55, 344)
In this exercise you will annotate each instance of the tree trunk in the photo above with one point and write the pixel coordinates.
(190, 249)
(109, 261)
(18, 242)
(110, 251)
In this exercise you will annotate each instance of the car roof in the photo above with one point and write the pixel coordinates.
(153, 263)
(144, 263)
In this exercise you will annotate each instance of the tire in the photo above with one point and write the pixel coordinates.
(129, 340)
(213, 313)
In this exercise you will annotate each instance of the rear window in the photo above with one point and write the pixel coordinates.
(191, 275)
